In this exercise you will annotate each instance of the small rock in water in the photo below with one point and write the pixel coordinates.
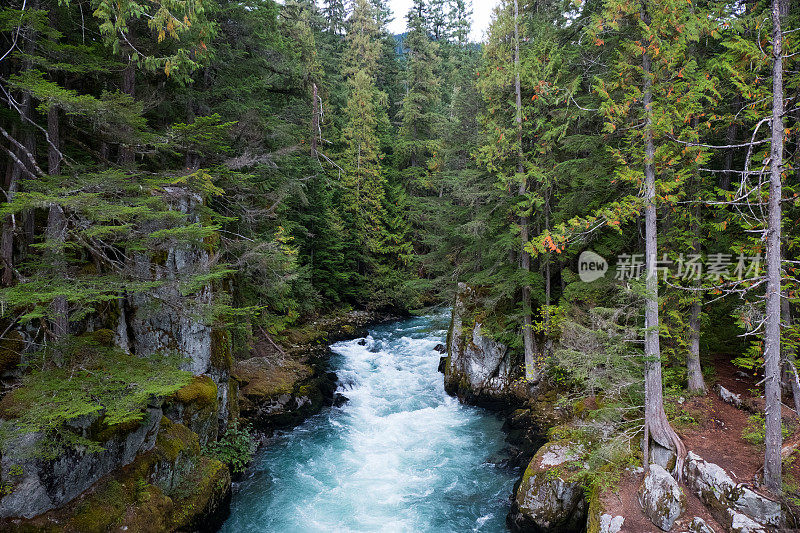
(440, 348)
(340, 399)
(362, 342)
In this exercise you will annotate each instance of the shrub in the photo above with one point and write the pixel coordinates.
(235, 448)
(753, 432)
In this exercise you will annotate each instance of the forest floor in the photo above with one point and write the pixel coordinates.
(713, 429)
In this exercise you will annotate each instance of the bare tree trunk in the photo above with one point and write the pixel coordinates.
(126, 153)
(772, 334)
(694, 370)
(531, 364)
(548, 286)
(696, 382)
(314, 119)
(657, 427)
(56, 230)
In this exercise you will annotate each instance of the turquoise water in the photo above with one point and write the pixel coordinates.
(400, 456)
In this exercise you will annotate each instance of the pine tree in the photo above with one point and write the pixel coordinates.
(418, 118)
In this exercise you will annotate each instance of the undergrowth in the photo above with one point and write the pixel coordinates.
(100, 390)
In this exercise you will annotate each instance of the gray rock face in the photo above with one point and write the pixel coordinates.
(740, 523)
(611, 524)
(698, 525)
(661, 498)
(166, 318)
(731, 503)
(549, 498)
(476, 365)
(40, 485)
(729, 397)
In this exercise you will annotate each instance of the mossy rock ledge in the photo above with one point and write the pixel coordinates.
(281, 394)
(196, 405)
(171, 487)
(477, 367)
(550, 497)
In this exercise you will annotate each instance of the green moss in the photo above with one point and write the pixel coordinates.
(175, 439)
(102, 510)
(221, 356)
(595, 511)
(271, 382)
(201, 391)
(106, 382)
(11, 347)
(104, 337)
(103, 431)
(210, 482)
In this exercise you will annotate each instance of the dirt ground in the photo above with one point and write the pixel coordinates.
(715, 434)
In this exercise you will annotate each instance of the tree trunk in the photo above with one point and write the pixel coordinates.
(657, 427)
(56, 231)
(314, 119)
(126, 153)
(531, 364)
(772, 334)
(694, 370)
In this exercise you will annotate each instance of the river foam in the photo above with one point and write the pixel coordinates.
(400, 455)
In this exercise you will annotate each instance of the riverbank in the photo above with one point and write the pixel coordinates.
(160, 473)
(579, 453)
(400, 455)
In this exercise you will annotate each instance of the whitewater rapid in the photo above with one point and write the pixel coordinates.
(401, 455)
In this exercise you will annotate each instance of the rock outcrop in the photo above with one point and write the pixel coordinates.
(149, 476)
(279, 395)
(477, 368)
(171, 487)
(661, 498)
(698, 525)
(33, 484)
(550, 497)
(735, 505)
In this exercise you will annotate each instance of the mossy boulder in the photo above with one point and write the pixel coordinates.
(550, 496)
(280, 394)
(196, 406)
(662, 500)
(730, 502)
(170, 488)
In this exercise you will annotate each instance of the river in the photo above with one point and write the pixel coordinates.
(401, 455)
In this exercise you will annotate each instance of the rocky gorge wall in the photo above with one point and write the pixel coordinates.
(155, 474)
(552, 494)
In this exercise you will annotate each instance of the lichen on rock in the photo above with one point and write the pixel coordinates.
(551, 496)
(661, 498)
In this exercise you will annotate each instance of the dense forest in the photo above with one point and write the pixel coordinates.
(614, 179)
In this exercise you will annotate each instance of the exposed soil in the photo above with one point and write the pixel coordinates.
(713, 430)
(717, 437)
